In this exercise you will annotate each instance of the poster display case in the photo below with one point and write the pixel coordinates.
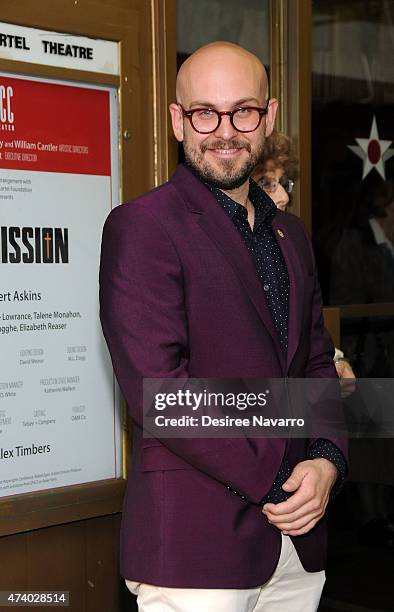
(59, 410)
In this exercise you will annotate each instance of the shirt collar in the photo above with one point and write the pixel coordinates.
(265, 209)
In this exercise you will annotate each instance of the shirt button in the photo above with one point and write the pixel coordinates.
(266, 287)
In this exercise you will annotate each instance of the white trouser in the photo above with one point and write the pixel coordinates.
(290, 589)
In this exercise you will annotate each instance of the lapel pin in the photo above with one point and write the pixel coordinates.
(280, 233)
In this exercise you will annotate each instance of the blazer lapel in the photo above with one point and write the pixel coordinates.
(296, 280)
(222, 232)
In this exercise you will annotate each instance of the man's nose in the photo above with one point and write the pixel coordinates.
(225, 129)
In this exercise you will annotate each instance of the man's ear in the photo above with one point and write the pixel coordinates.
(177, 121)
(270, 116)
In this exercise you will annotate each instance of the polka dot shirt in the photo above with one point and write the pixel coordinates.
(264, 250)
(272, 272)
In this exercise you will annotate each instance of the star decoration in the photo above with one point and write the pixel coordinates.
(373, 151)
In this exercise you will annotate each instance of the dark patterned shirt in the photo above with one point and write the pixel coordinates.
(272, 272)
(263, 248)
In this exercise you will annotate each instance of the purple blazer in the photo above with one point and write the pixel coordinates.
(180, 297)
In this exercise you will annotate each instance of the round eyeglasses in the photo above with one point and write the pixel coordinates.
(271, 185)
(207, 120)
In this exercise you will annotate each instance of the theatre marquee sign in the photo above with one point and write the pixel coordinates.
(56, 49)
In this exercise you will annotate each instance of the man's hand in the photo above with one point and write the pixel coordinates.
(312, 481)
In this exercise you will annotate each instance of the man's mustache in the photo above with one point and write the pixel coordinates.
(228, 144)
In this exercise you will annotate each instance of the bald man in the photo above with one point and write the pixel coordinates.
(204, 278)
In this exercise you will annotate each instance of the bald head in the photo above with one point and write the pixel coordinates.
(225, 78)
(212, 67)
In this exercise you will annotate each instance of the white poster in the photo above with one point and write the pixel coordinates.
(59, 411)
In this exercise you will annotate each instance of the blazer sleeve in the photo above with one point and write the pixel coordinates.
(144, 320)
(321, 365)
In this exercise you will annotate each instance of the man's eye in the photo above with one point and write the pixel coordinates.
(206, 114)
(243, 111)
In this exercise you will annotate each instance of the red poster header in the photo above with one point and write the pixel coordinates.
(54, 128)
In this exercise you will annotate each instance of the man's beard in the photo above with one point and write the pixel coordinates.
(228, 176)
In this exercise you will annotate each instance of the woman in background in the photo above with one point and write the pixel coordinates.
(278, 170)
